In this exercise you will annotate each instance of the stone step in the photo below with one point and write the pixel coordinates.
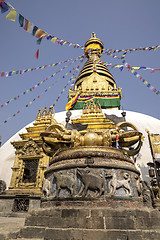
(87, 234)
(27, 239)
(13, 214)
(10, 226)
(94, 218)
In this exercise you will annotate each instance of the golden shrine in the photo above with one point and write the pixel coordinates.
(30, 161)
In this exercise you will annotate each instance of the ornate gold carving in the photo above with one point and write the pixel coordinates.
(57, 136)
(30, 149)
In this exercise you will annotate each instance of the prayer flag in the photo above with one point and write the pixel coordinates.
(4, 7)
(53, 39)
(44, 35)
(2, 74)
(37, 54)
(29, 26)
(12, 15)
(21, 20)
(35, 28)
(1, 3)
(26, 24)
(39, 41)
(39, 32)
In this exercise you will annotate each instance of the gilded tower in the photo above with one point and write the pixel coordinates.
(95, 81)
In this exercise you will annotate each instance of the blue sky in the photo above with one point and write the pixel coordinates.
(119, 24)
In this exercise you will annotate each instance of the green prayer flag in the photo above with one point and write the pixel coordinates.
(21, 20)
(39, 41)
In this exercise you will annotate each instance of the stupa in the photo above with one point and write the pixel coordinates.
(92, 188)
(91, 156)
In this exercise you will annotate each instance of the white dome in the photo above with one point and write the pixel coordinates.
(141, 121)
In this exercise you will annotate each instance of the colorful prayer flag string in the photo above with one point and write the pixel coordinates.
(32, 29)
(46, 90)
(71, 80)
(132, 49)
(152, 88)
(37, 85)
(10, 73)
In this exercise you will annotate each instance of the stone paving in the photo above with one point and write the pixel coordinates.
(10, 226)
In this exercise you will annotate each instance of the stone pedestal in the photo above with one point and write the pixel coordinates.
(92, 173)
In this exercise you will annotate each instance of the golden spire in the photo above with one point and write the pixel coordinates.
(93, 51)
(94, 79)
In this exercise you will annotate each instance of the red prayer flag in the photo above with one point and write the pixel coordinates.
(26, 24)
(2, 74)
(155, 70)
(37, 54)
(59, 40)
(1, 3)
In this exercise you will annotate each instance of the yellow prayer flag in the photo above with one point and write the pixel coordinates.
(29, 69)
(42, 67)
(53, 39)
(30, 102)
(132, 71)
(29, 26)
(12, 15)
(53, 64)
(117, 66)
(27, 91)
(145, 82)
(136, 67)
(13, 72)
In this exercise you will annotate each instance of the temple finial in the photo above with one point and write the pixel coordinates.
(93, 35)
